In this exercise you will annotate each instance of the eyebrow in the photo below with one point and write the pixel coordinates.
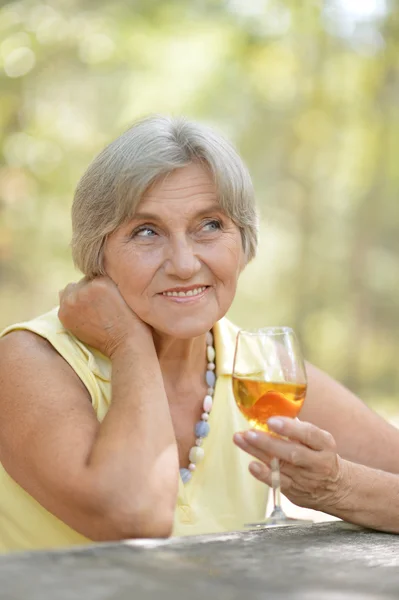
(146, 216)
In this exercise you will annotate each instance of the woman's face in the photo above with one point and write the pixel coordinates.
(177, 262)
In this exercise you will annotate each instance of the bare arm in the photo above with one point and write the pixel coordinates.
(108, 481)
(372, 498)
(361, 435)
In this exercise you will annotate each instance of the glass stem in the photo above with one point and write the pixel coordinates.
(277, 510)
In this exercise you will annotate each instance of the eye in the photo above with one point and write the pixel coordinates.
(144, 231)
(213, 225)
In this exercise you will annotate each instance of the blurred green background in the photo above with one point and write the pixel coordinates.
(309, 93)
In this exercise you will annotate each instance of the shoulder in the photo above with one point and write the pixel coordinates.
(43, 327)
(23, 354)
(26, 357)
(18, 343)
(47, 331)
(33, 337)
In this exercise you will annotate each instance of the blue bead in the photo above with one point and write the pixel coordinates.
(210, 378)
(185, 474)
(201, 429)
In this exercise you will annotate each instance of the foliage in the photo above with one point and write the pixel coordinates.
(308, 91)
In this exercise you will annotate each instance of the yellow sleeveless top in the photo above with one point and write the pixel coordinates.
(221, 496)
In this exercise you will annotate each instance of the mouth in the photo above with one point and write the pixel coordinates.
(185, 292)
(181, 293)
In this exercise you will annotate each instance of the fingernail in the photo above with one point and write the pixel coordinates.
(252, 436)
(238, 438)
(275, 424)
(255, 468)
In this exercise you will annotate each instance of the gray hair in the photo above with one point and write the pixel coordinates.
(111, 188)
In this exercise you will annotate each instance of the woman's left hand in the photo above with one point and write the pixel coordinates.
(312, 473)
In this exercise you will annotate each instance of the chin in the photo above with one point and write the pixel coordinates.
(186, 328)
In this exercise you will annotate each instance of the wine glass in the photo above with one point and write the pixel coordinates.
(269, 379)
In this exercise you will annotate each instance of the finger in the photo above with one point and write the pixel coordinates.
(303, 432)
(264, 474)
(264, 446)
(300, 474)
(65, 292)
(69, 287)
(241, 442)
(82, 283)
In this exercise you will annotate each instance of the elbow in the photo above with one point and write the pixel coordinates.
(132, 516)
(144, 513)
(134, 512)
(120, 525)
(136, 524)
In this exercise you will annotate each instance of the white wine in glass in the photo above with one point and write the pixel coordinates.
(269, 380)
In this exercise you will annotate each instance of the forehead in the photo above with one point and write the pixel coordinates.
(191, 183)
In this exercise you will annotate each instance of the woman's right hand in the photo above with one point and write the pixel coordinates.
(95, 312)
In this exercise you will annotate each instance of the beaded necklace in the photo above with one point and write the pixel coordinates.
(196, 453)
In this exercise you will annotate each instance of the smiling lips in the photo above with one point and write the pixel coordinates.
(185, 292)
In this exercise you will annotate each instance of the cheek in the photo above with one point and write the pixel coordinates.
(227, 262)
(131, 271)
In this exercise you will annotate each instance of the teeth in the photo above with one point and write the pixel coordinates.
(193, 292)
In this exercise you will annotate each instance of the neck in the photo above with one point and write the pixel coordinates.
(182, 361)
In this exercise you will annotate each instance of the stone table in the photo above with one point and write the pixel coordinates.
(327, 561)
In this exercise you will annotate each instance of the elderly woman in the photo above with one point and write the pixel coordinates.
(105, 399)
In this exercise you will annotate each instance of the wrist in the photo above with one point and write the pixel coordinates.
(340, 499)
(132, 343)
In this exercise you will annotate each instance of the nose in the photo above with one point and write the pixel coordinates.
(181, 260)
